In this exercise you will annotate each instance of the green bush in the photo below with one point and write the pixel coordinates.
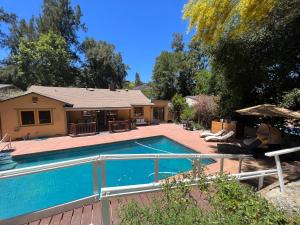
(231, 203)
(291, 99)
(187, 114)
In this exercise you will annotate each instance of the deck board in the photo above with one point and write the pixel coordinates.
(87, 215)
(97, 216)
(66, 218)
(56, 219)
(35, 222)
(76, 218)
(91, 214)
(45, 221)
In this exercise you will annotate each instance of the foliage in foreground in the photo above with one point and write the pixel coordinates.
(230, 203)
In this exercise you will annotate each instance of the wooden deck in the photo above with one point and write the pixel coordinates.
(91, 214)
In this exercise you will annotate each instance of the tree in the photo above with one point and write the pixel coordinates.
(103, 66)
(176, 72)
(273, 53)
(178, 105)
(253, 48)
(203, 79)
(164, 76)
(177, 43)
(138, 80)
(61, 18)
(44, 62)
(7, 19)
(215, 19)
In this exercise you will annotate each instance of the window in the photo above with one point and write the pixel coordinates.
(35, 117)
(44, 116)
(27, 117)
(138, 111)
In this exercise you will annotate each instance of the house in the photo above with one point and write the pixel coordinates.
(191, 100)
(199, 99)
(8, 90)
(162, 110)
(52, 111)
(142, 87)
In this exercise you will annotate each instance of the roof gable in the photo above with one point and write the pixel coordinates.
(29, 93)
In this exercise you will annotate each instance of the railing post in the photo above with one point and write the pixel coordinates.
(95, 178)
(105, 206)
(240, 164)
(198, 166)
(279, 171)
(194, 167)
(156, 170)
(261, 181)
(222, 165)
(103, 173)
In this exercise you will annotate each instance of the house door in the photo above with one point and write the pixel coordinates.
(159, 113)
(101, 121)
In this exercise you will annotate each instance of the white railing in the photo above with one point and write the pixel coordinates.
(276, 155)
(108, 192)
(8, 145)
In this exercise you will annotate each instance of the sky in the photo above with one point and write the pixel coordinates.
(139, 29)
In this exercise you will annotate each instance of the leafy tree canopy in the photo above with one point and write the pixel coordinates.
(60, 17)
(103, 65)
(177, 71)
(138, 80)
(215, 19)
(164, 76)
(5, 18)
(44, 62)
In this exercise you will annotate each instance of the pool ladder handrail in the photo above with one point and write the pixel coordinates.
(8, 145)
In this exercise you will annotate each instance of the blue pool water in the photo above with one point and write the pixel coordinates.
(25, 194)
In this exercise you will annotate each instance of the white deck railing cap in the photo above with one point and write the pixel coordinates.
(283, 151)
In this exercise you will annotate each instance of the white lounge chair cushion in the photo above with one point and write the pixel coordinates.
(206, 134)
(220, 138)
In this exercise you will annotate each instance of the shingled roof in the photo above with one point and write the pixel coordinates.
(91, 98)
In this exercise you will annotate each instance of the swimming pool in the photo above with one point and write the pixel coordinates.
(25, 194)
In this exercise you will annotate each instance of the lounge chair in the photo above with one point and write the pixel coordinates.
(225, 137)
(206, 134)
(256, 152)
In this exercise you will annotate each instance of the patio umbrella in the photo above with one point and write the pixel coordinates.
(270, 111)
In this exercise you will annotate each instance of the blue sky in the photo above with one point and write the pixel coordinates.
(139, 29)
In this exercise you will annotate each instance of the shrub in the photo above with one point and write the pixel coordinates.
(291, 99)
(231, 201)
(197, 126)
(187, 114)
(205, 110)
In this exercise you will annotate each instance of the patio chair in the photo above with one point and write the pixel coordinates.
(206, 134)
(224, 138)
